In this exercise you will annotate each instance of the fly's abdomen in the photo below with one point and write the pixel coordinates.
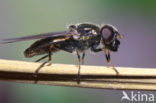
(39, 47)
(42, 46)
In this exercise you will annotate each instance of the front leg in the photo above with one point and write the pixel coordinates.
(107, 55)
(94, 49)
(108, 60)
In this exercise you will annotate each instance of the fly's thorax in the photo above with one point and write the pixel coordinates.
(72, 29)
(87, 29)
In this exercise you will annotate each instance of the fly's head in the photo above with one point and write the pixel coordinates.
(110, 37)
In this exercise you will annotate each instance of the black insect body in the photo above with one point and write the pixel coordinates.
(78, 38)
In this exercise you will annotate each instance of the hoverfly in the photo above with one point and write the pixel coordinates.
(77, 38)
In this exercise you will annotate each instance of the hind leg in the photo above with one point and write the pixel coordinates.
(42, 58)
(49, 59)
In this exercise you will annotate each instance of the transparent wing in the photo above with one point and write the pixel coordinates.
(39, 36)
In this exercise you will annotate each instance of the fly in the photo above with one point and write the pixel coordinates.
(77, 38)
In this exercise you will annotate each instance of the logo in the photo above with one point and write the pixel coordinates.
(137, 97)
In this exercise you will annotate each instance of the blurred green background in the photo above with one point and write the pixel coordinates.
(134, 18)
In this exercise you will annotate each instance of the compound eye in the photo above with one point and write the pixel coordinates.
(107, 33)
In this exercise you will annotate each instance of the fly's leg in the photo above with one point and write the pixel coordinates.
(107, 56)
(108, 60)
(49, 59)
(83, 56)
(78, 75)
(42, 58)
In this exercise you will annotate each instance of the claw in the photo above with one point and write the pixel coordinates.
(113, 67)
(49, 64)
